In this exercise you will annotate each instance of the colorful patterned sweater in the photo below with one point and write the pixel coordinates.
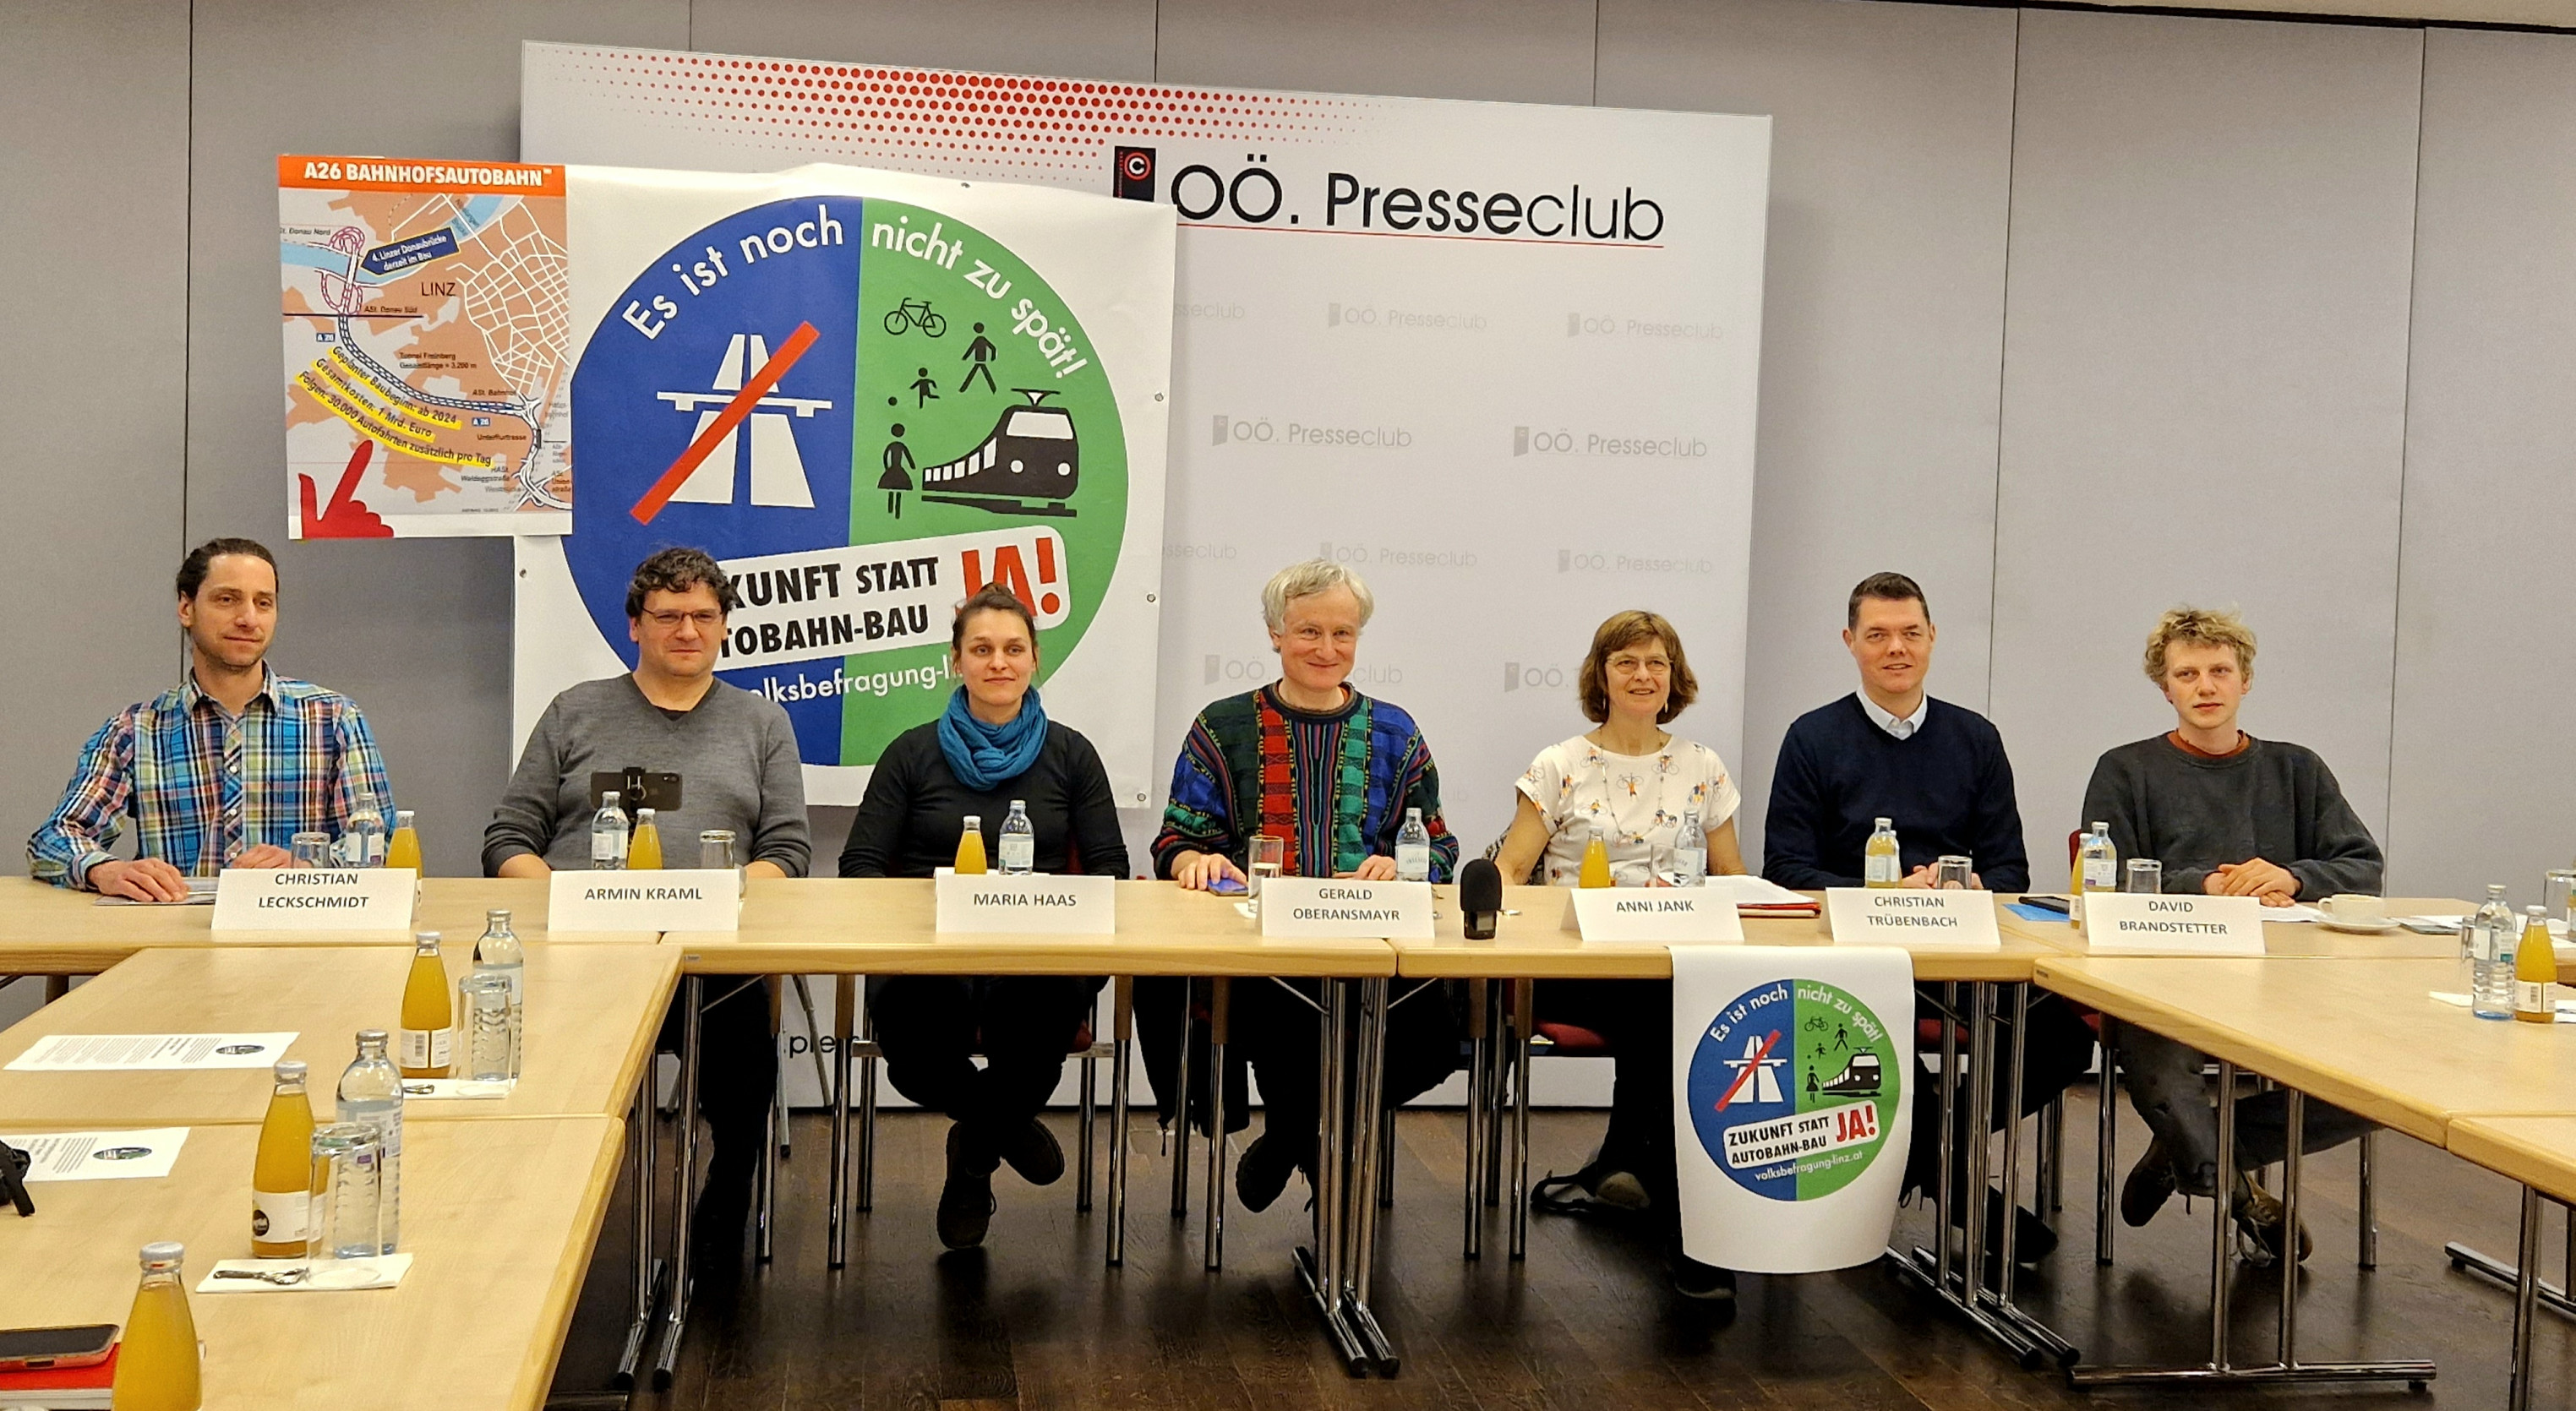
(1335, 784)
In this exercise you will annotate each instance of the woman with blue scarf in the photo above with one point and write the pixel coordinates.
(994, 746)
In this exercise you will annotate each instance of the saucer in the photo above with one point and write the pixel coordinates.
(2380, 927)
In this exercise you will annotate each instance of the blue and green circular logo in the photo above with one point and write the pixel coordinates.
(1793, 1087)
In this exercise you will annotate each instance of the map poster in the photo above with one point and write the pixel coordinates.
(427, 312)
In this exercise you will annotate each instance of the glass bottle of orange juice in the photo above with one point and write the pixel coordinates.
(2535, 973)
(428, 1012)
(644, 850)
(404, 849)
(970, 848)
(156, 1366)
(281, 1177)
(1596, 859)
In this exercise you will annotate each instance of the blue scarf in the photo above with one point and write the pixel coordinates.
(983, 756)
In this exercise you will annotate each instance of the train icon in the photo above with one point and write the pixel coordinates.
(1860, 1079)
(1030, 464)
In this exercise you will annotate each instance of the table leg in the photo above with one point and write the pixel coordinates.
(1523, 1006)
(1949, 1099)
(1220, 1002)
(1322, 1268)
(1964, 1121)
(1476, 1099)
(1497, 1055)
(1122, 1026)
(57, 986)
(2012, 1142)
(2368, 1255)
(2297, 1124)
(685, 1192)
(1359, 1191)
(648, 1270)
(1178, 1133)
(2526, 1289)
(2106, 1146)
(845, 990)
(1981, 1114)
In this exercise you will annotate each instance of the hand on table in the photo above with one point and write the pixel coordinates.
(143, 879)
(1198, 871)
(1375, 869)
(2253, 878)
(1920, 879)
(265, 855)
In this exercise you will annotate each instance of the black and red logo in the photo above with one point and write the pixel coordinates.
(1134, 173)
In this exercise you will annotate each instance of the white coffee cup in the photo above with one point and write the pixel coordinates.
(2356, 909)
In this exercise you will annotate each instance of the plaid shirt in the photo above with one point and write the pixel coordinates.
(203, 787)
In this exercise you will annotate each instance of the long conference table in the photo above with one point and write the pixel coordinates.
(505, 1198)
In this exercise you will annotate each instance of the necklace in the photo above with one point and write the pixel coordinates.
(1610, 793)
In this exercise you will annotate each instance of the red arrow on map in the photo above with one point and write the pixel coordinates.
(1752, 1066)
(754, 388)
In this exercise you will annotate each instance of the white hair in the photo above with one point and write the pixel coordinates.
(1304, 580)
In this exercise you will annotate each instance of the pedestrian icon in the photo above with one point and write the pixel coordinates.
(926, 389)
(777, 469)
(898, 471)
(981, 353)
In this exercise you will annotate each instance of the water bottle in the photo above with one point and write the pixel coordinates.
(364, 844)
(1882, 863)
(608, 835)
(1019, 842)
(371, 1092)
(1690, 852)
(2492, 935)
(2099, 862)
(1413, 849)
(499, 953)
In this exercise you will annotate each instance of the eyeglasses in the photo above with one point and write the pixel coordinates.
(1656, 665)
(704, 621)
(1309, 636)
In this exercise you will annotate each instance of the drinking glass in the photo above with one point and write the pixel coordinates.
(1952, 873)
(311, 849)
(2145, 875)
(348, 1171)
(483, 1011)
(715, 848)
(2557, 889)
(1268, 856)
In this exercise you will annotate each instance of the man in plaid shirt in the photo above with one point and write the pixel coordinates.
(223, 770)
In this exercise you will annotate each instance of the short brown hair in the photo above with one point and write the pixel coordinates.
(1887, 588)
(1627, 629)
(2219, 627)
(992, 597)
(193, 568)
(677, 570)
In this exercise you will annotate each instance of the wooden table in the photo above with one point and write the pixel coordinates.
(592, 1014)
(501, 1218)
(48, 930)
(2291, 938)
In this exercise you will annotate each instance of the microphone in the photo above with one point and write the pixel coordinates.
(1480, 897)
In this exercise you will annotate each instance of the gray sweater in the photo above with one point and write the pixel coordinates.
(2274, 801)
(735, 754)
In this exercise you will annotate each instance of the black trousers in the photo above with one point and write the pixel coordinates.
(2057, 1051)
(1283, 1035)
(1635, 1018)
(930, 1026)
(737, 1078)
(1160, 1024)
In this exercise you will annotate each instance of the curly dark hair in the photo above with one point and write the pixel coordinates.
(677, 570)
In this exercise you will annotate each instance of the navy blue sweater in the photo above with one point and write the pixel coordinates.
(1948, 789)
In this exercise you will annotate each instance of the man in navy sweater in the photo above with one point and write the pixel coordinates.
(1939, 774)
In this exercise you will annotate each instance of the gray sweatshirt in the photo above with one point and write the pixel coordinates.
(735, 754)
(2271, 800)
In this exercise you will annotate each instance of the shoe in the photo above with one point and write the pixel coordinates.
(1704, 1282)
(2258, 1216)
(1262, 1172)
(2033, 1240)
(1623, 1190)
(1033, 1151)
(966, 1201)
(2150, 1184)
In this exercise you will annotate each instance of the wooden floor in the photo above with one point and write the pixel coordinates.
(1034, 1320)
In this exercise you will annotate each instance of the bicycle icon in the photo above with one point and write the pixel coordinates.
(912, 314)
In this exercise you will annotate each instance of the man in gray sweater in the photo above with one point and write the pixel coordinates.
(735, 755)
(2227, 815)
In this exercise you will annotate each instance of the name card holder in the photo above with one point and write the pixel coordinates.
(1306, 908)
(2137, 923)
(1673, 915)
(672, 899)
(1914, 918)
(1028, 904)
(315, 898)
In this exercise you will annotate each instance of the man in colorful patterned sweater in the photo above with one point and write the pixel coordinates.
(1332, 773)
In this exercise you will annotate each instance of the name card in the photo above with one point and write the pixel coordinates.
(1915, 919)
(1675, 915)
(315, 899)
(2133, 923)
(1028, 904)
(1308, 907)
(674, 899)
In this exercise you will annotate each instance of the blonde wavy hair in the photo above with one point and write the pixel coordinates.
(2211, 627)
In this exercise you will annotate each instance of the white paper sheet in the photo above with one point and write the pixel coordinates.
(125, 1053)
(445, 1089)
(140, 1154)
(1757, 891)
(319, 1275)
(201, 892)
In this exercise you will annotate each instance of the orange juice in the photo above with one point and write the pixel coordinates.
(156, 1367)
(428, 1013)
(1596, 861)
(970, 848)
(404, 850)
(2535, 974)
(282, 1176)
(644, 850)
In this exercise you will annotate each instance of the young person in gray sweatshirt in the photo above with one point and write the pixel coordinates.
(736, 757)
(2227, 815)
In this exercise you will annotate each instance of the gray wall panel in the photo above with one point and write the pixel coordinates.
(1520, 51)
(1074, 38)
(418, 632)
(2204, 381)
(94, 220)
(2480, 771)
(1882, 316)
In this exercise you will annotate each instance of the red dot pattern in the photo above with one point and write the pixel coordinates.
(998, 124)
